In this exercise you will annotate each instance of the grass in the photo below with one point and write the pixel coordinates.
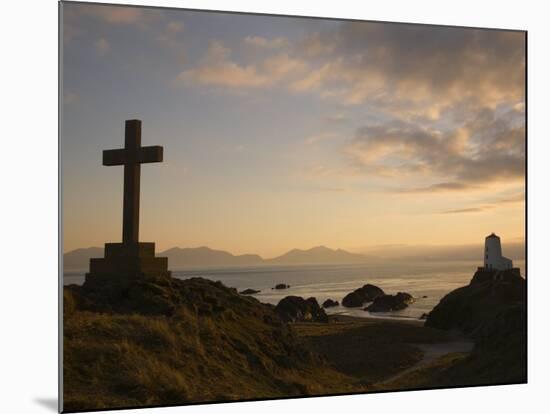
(115, 359)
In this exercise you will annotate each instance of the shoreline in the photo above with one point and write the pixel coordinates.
(336, 318)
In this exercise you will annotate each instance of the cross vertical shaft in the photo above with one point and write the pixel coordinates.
(132, 175)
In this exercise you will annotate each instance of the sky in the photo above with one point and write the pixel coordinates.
(286, 132)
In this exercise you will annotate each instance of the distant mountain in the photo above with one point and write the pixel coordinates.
(79, 259)
(178, 257)
(204, 256)
(319, 255)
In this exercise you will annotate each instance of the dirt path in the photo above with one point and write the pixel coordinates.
(432, 352)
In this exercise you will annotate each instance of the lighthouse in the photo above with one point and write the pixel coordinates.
(493, 259)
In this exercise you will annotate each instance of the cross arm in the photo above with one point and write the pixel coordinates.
(114, 157)
(150, 154)
(145, 155)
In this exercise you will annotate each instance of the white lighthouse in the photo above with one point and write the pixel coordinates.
(494, 260)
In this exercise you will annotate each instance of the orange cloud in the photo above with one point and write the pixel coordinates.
(217, 69)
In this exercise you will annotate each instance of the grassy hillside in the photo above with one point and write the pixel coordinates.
(167, 341)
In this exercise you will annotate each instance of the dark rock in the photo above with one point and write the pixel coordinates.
(483, 275)
(329, 303)
(424, 316)
(492, 311)
(281, 286)
(388, 303)
(298, 309)
(469, 307)
(424, 297)
(249, 292)
(360, 296)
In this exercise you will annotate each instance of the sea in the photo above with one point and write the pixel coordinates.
(427, 282)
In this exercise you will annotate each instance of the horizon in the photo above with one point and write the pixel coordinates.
(396, 134)
(375, 252)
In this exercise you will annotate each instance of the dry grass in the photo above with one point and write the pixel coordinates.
(243, 352)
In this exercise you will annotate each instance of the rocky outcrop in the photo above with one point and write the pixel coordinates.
(329, 303)
(298, 309)
(249, 292)
(388, 303)
(360, 296)
(471, 306)
(281, 286)
(492, 311)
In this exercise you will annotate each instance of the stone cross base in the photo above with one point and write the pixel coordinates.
(128, 260)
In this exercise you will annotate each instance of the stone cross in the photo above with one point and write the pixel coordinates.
(130, 259)
(132, 156)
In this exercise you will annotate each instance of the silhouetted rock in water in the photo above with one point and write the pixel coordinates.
(298, 309)
(249, 292)
(329, 303)
(281, 286)
(424, 297)
(157, 341)
(388, 303)
(492, 311)
(360, 296)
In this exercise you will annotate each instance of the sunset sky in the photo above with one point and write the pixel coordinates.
(283, 133)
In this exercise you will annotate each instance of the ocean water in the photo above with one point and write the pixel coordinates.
(428, 282)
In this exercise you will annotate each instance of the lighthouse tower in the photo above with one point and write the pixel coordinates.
(493, 259)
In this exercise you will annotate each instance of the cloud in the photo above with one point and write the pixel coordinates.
(116, 14)
(514, 199)
(444, 105)
(336, 118)
(312, 139)
(518, 198)
(169, 38)
(408, 71)
(262, 42)
(466, 210)
(413, 64)
(439, 187)
(102, 46)
(174, 27)
(488, 149)
(119, 15)
(217, 68)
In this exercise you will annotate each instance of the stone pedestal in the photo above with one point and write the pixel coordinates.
(128, 261)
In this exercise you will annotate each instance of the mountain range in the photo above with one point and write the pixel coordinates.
(204, 256)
